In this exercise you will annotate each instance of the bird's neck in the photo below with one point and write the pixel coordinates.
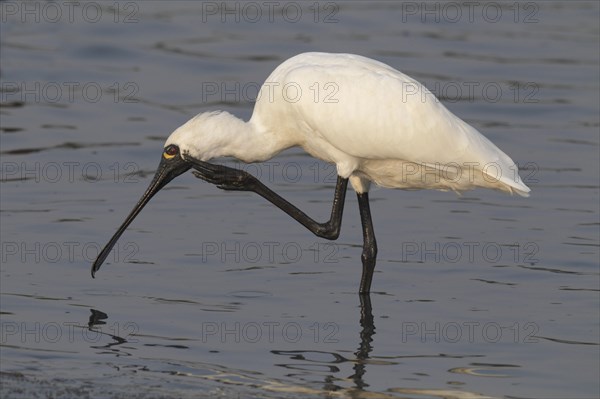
(248, 141)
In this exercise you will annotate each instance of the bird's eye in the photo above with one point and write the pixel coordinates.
(170, 151)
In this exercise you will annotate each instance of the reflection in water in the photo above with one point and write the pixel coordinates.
(306, 365)
(97, 319)
(484, 369)
(366, 337)
(360, 361)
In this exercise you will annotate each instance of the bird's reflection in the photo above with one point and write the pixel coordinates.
(366, 337)
(97, 319)
(360, 360)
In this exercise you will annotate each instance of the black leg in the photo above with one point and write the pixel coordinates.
(369, 253)
(234, 179)
(330, 229)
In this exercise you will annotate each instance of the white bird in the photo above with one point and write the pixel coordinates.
(373, 122)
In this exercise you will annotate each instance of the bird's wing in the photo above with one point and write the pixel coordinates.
(369, 110)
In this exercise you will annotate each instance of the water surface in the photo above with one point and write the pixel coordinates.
(218, 294)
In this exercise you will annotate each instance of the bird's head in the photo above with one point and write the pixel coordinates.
(193, 142)
(203, 137)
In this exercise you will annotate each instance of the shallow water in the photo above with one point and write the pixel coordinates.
(218, 294)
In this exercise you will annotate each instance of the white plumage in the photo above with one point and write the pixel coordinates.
(375, 123)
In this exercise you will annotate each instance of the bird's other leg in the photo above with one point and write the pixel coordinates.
(228, 178)
(369, 254)
(329, 230)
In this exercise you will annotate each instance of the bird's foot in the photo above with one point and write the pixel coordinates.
(223, 177)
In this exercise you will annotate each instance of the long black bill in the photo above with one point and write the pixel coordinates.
(168, 169)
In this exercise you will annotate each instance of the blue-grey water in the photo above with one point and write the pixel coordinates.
(214, 293)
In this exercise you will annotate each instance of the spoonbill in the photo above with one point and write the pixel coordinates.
(376, 124)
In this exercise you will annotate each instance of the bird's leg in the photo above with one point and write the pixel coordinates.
(233, 179)
(369, 253)
(330, 229)
(228, 178)
(224, 177)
